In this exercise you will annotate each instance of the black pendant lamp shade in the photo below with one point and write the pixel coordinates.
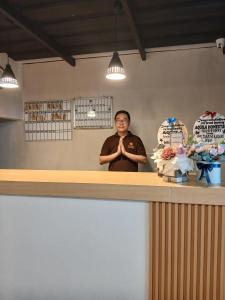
(8, 79)
(115, 70)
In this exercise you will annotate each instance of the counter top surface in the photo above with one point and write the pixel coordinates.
(144, 186)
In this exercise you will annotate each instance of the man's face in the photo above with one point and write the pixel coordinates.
(122, 123)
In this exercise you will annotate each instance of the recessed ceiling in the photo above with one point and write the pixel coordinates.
(31, 29)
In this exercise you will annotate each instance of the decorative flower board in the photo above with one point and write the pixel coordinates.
(172, 132)
(209, 128)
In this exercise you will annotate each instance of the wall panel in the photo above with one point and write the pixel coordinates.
(187, 252)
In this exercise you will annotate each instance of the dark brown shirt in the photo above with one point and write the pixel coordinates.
(132, 144)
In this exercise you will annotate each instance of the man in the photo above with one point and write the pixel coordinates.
(123, 150)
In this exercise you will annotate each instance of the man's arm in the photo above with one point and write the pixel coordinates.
(135, 157)
(104, 159)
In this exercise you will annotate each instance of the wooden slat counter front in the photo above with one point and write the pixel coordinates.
(187, 223)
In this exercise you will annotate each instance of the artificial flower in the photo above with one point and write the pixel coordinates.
(207, 152)
(220, 149)
(172, 159)
(213, 151)
(180, 150)
(168, 153)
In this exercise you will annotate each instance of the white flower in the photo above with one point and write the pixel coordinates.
(220, 149)
(213, 151)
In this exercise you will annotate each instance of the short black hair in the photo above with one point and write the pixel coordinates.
(123, 112)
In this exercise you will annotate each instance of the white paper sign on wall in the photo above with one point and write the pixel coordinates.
(209, 128)
(172, 132)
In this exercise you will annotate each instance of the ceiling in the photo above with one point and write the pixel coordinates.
(31, 29)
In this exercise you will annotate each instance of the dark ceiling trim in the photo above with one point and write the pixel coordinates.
(18, 19)
(135, 33)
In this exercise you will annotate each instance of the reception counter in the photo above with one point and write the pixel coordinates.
(186, 224)
(107, 185)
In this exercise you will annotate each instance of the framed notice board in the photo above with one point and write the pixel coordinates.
(48, 120)
(93, 112)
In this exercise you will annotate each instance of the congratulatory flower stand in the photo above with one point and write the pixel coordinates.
(208, 159)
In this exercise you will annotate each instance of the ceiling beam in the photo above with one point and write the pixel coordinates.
(133, 27)
(78, 50)
(18, 19)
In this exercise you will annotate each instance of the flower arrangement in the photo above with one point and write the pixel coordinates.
(207, 152)
(172, 160)
(207, 158)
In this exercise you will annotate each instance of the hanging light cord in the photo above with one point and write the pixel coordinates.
(115, 31)
(117, 7)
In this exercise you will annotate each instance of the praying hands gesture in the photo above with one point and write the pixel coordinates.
(137, 158)
(121, 148)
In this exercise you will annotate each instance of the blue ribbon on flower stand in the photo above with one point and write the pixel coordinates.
(171, 121)
(205, 169)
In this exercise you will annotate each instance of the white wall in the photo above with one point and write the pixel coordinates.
(55, 248)
(181, 83)
(11, 104)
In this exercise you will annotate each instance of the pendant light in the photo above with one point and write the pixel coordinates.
(115, 69)
(8, 78)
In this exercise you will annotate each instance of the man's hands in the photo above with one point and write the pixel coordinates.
(108, 158)
(137, 158)
(121, 148)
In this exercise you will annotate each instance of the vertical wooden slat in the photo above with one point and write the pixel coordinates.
(188, 249)
(160, 251)
(205, 252)
(187, 285)
(156, 274)
(151, 254)
(185, 249)
(182, 254)
(219, 253)
(166, 251)
(208, 265)
(212, 254)
(169, 243)
(162, 270)
(215, 250)
(201, 221)
(178, 249)
(192, 251)
(195, 249)
(152, 251)
(222, 264)
(175, 252)
(172, 248)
